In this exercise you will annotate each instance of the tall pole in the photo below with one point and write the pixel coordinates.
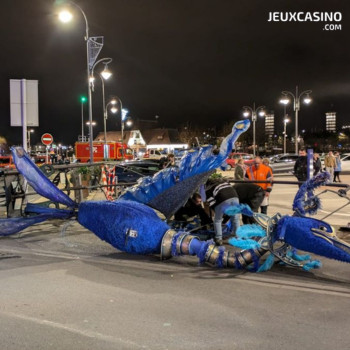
(296, 99)
(29, 141)
(82, 120)
(296, 109)
(254, 120)
(253, 112)
(285, 135)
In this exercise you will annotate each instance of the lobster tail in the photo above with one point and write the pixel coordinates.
(182, 243)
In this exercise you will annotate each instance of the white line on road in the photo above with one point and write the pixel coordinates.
(75, 330)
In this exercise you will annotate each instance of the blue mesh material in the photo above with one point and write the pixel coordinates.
(41, 184)
(128, 226)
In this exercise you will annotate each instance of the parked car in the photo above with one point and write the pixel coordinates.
(231, 161)
(129, 172)
(154, 154)
(285, 158)
(345, 162)
(283, 163)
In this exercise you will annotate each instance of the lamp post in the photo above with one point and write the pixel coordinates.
(253, 112)
(104, 75)
(285, 121)
(93, 48)
(82, 101)
(28, 133)
(296, 99)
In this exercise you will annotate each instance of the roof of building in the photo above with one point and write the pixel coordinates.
(159, 136)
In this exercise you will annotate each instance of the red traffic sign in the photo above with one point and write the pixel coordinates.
(47, 139)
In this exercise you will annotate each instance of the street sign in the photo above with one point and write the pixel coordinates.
(47, 139)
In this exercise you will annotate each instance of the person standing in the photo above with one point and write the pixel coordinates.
(220, 195)
(261, 172)
(266, 201)
(300, 166)
(317, 164)
(337, 168)
(330, 164)
(240, 169)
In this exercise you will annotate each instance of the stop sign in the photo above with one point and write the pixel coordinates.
(47, 139)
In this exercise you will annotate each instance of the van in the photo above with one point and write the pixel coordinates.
(154, 154)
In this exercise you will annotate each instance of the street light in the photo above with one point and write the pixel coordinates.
(253, 112)
(104, 75)
(285, 121)
(93, 48)
(296, 98)
(28, 137)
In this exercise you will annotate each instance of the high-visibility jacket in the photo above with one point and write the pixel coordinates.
(261, 173)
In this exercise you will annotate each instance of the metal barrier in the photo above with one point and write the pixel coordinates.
(14, 192)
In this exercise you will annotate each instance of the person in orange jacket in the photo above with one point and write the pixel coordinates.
(260, 172)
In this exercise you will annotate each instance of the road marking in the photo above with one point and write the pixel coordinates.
(75, 330)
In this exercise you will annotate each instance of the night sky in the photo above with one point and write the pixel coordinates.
(196, 61)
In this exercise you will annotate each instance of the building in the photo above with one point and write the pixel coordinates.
(163, 139)
(269, 125)
(331, 122)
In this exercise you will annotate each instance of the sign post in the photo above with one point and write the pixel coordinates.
(47, 140)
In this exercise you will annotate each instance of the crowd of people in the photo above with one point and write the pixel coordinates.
(219, 194)
(332, 164)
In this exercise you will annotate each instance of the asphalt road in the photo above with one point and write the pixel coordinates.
(72, 291)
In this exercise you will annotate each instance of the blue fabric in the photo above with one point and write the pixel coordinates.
(128, 226)
(40, 183)
(239, 209)
(220, 259)
(15, 225)
(173, 244)
(32, 208)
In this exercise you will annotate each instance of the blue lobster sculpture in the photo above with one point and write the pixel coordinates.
(135, 223)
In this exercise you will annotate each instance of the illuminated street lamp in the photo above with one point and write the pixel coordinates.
(93, 48)
(252, 111)
(285, 121)
(296, 98)
(28, 137)
(104, 75)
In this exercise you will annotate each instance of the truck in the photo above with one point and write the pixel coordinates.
(101, 151)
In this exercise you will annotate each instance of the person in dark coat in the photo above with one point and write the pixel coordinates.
(317, 164)
(193, 207)
(252, 195)
(300, 166)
